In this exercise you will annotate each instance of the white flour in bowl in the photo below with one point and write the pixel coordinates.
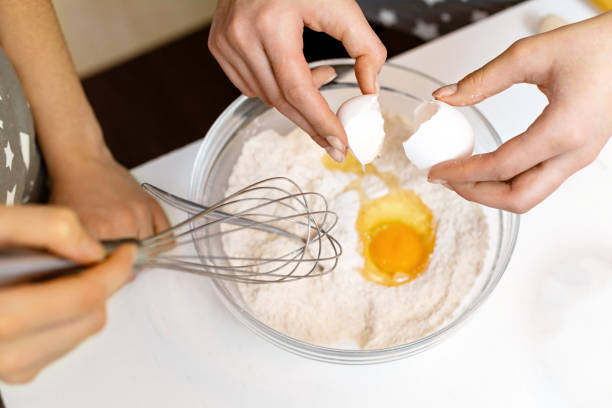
(342, 306)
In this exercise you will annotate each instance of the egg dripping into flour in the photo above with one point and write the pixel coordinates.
(397, 233)
(397, 230)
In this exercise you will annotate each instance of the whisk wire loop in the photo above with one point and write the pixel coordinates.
(295, 238)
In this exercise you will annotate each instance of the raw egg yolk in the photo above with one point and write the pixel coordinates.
(397, 233)
(396, 248)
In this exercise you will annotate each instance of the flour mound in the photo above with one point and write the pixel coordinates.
(342, 306)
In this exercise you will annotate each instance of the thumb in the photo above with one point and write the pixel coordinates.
(53, 228)
(115, 271)
(518, 64)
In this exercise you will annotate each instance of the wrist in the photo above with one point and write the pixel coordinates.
(75, 151)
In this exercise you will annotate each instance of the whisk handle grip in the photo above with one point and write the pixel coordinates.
(25, 264)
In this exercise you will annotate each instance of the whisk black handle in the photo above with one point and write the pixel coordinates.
(24, 264)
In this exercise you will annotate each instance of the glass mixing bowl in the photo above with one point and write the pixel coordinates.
(402, 89)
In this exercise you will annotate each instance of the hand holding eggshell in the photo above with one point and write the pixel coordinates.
(571, 66)
(258, 44)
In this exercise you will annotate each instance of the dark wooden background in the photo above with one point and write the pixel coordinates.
(171, 96)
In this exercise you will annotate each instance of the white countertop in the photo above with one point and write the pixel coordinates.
(543, 338)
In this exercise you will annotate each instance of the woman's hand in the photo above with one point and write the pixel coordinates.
(258, 43)
(40, 322)
(107, 199)
(572, 67)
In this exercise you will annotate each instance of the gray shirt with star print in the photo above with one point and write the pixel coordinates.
(21, 175)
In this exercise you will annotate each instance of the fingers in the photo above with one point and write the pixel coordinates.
(160, 220)
(138, 217)
(323, 75)
(259, 46)
(114, 272)
(522, 62)
(121, 225)
(31, 307)
(229, 51)
(54, 228)
(130, 219)
(127, 221)
(543, 140)
(234, 75)
(565, 138)
(41, 322)
(268, 89)
(21, 359)
(218, 48)
(295, 81)
(527, 189)
(349, 25)
(238, 46)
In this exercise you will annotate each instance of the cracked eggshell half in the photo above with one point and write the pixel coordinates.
(364, 125)
(442, 133)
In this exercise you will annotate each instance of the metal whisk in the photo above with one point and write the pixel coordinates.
(270, 231)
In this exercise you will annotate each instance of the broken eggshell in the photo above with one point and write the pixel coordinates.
(442, 133)
(364, 125)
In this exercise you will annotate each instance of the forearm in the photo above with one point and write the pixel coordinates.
(65, 123)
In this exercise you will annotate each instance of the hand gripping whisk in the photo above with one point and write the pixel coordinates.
(270, 231)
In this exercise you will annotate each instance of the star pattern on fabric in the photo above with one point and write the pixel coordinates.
(10, 196)
(478, 15)
(387, 17)
(1, 124)
(433, 2)
(425, 31)
(24, 140)
(8, 154)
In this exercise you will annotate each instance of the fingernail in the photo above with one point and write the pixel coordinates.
(377, 85)
(335, 154)
(437, 181)
(445, 91)
(331, 78)
(336, 143)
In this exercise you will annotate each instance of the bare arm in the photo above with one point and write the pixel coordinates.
(65, 123)
(84, 175)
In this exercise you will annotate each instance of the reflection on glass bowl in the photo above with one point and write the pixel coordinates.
(402, 89)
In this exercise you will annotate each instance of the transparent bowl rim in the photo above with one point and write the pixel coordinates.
(344, 356)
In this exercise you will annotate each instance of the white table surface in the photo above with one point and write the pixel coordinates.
(543, 338)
